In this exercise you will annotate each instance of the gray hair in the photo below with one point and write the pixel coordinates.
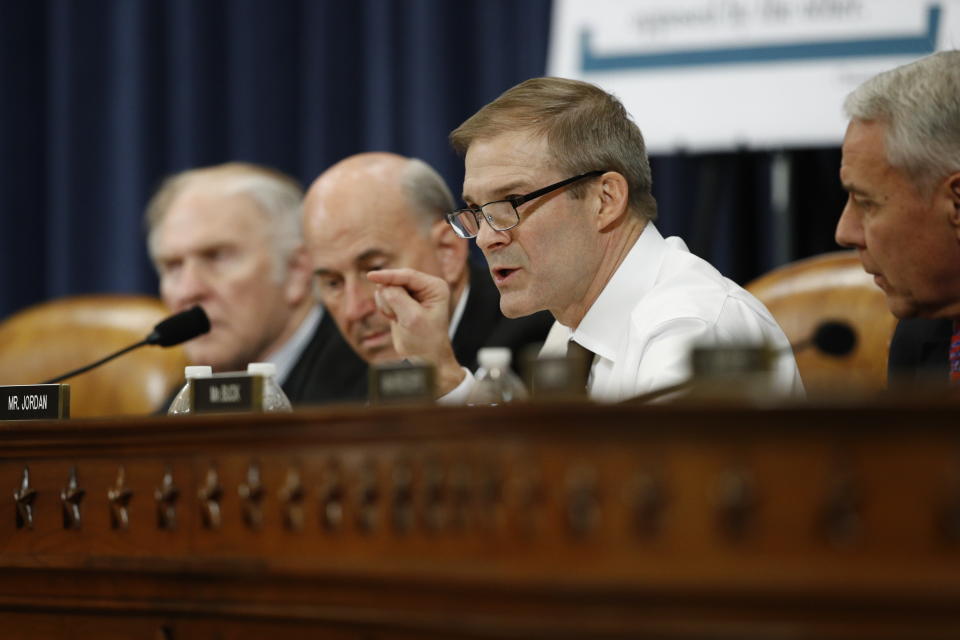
(278, 196)
(426, 191)
(920, 102)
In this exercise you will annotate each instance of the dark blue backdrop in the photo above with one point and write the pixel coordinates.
(100, 99)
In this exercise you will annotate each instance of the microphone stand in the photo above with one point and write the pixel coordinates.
(110, 357)
(178, 328)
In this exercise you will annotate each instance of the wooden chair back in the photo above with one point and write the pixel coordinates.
(51, 338)
(831, 286)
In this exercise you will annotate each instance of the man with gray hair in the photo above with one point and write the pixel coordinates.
(228, 238)
(901, 169)
(558, 196)
(382, 211)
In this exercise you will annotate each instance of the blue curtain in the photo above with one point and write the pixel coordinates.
(99, 99)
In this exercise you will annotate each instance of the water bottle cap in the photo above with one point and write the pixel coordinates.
(197, 371)
(494, 357)
(262, 368)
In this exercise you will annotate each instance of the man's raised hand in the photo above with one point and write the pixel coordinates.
(418, 307)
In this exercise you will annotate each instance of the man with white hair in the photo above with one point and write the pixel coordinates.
(228, 238)
(901, 169)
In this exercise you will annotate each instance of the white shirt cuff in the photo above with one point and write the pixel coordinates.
(458, 395)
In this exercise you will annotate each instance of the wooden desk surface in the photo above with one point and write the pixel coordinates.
(570, 521)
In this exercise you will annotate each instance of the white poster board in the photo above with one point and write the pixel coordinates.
(723, 74)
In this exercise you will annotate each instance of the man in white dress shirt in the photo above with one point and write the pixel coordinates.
(558, 195)
(379, 210)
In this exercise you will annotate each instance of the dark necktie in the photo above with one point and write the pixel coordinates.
(955, 354)
(581, 360)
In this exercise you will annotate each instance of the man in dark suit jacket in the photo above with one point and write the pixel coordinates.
(901, 167)
(918, 351)
(327, 370)
(381, 210)
(229, 238)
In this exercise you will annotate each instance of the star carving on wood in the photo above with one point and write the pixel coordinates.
(166, 495)
(71, 496)
(119, 496)
(24, 497)
(252, 492)
(291, 495)
(210, 495)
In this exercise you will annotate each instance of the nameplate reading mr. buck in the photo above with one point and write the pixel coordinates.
(34, 401)
(227, 393)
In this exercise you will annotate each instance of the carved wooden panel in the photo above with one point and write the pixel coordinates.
(567, 521)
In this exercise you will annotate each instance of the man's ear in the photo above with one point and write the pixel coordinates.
(953, 193)
(299, 277)
(614, 199)
(451, 251)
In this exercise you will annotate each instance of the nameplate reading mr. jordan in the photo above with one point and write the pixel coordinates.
(34, 401)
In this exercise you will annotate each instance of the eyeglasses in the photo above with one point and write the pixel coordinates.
(502, 215)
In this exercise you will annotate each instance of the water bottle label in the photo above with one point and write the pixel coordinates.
(227, 393)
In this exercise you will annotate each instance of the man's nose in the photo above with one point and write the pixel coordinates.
(359, 302)
(489, 239)
(190, 286)
(849, 229)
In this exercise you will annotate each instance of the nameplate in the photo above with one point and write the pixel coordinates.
(227, 393)
(726, 361)
(401, 383)
(557, 377)
(34, 401)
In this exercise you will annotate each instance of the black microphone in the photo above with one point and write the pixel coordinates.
(178, 328)
(833, 338)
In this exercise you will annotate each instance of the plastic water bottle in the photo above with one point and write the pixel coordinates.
(181, 402)
(274, 399)
(495, 382)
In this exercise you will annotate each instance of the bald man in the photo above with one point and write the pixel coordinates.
(382, 211)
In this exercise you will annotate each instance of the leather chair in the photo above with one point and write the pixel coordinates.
(51, 338)
(831, 286)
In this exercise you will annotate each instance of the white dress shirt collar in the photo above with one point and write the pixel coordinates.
(287, 355)
(603, 329)
(458, 311)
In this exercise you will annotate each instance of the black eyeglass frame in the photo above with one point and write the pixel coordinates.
(515, 201)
